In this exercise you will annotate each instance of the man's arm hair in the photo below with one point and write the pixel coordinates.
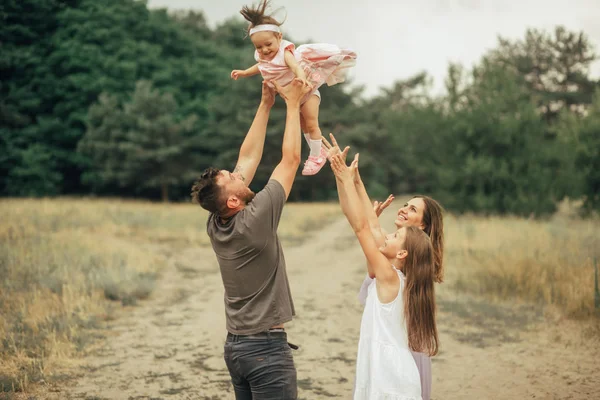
(252, 148)
(286, 170)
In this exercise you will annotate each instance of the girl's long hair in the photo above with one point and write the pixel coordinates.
(256, 15)
(433, 220)
(419, 295)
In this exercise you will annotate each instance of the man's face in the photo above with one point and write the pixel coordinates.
(233, 185)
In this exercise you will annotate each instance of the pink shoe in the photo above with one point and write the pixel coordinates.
(314, 164)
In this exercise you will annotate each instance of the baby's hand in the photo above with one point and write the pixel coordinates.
(305, 82)
(237, 73)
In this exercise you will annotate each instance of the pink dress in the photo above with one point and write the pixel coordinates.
(322, 63)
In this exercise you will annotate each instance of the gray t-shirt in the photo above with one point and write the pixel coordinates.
(257, 292)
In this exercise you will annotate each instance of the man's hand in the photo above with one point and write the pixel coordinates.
(378, 207)
(294, 92)
(237, 73)
(268, 95)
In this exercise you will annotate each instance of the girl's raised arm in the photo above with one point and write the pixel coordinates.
(378, 265)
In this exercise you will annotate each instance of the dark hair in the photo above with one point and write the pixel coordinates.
(256, 15)
(207, 193)
(433, 220)
(419, 292)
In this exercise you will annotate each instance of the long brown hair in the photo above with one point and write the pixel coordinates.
(256, 15)
(419, 293)
(433, 220)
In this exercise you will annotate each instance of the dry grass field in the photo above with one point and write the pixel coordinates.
(66, 264)
(543, 262)
(68, 267)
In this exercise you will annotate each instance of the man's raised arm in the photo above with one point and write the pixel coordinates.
(254, 143)
(286, 170)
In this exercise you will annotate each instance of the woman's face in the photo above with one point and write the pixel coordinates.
(411, 214)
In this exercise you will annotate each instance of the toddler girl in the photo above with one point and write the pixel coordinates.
(314, 64)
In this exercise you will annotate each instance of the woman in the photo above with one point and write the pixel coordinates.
(422, 212)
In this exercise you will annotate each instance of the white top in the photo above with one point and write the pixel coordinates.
(385, 368)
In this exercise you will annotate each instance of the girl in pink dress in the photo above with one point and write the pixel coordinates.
(314, 64)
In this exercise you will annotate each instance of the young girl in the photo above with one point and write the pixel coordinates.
(399, 315)
(422, 212)
(314, 64)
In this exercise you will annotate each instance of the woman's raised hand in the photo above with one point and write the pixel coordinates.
(332, 148)
(338, 165)
(379, 206)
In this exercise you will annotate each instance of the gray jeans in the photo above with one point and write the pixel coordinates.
(261, 366)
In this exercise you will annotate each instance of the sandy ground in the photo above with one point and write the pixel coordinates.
(170, 347)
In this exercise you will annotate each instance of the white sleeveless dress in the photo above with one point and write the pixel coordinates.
(422, 360)
(385, 367)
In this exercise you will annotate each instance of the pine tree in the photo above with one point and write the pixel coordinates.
(140, 144)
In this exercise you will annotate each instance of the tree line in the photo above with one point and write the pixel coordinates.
(115, 99)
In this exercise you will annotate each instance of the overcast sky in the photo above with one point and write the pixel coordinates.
(395, 39)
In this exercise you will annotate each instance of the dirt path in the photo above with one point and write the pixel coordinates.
(170, 347)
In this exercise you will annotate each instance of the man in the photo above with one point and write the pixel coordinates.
(242, 228)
